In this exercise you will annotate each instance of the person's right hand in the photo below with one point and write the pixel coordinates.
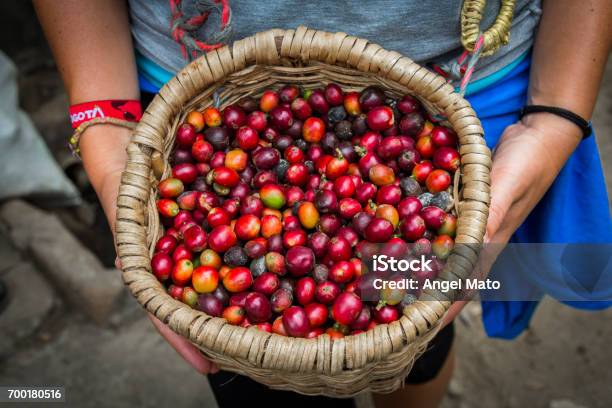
(186, 350)
(105, 176)
(526, 161)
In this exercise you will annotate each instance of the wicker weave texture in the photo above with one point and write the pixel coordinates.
(496, 35)
(376, 360)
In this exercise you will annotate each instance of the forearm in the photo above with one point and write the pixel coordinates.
(103, 150)
(569, 58)
(92, 46)
(570, 54)
(93, 49)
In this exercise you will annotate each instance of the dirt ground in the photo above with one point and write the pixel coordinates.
(563, 361)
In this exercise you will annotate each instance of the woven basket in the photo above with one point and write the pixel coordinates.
(377, 360)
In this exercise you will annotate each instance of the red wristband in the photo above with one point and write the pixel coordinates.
(129, 110)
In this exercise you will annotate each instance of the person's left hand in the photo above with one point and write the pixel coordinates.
(526, 161)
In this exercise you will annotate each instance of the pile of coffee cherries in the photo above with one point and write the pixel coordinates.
(275, 202)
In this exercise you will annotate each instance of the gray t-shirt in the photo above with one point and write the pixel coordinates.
(423, 30)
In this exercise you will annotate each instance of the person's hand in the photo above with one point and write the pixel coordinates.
(526, 161)
(105, 175)
(186, 350)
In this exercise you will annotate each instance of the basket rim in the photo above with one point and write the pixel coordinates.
(267, 48)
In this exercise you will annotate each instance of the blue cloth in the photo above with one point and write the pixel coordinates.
(151, 77)
(574, 210)
(483, 83)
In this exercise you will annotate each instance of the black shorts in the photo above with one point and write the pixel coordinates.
(233, 390)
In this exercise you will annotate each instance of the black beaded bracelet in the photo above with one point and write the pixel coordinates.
(578, 120)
